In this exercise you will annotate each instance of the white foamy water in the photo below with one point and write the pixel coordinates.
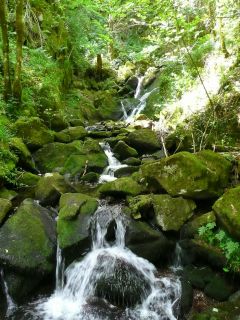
(11, 306)
(113, 164)
(159, 300)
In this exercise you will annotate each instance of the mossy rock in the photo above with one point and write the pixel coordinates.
(200, 176)
(5, 206)
(198, 277)
(141, 206)
(27, 179)
(100, 134)
(70, 134)
(120, 188)
(123, 151)
(125, 171)
(73, 224)
(227, 210)
(218, 288)
(144, 140)
(132, 161)
(28, 240)
(33, 132)
(172, 213)
(191, 228)
(7, 194)
(8, 162)
(50, 187)
(53, 156)
(90, 177)
(20, 149)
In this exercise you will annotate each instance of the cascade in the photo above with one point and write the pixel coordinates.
(11, 306)
(60, 266)
(113, 164)
(101, 285)
(177, 259)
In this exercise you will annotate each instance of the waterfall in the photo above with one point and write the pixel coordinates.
(11, 306)
(79, 298)
(113, 164)
(177, 259)
(139, 87)
(60, 265)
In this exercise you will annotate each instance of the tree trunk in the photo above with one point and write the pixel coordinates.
(5, 47)
(17, 87)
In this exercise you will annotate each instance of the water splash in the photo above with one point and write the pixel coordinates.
(113, 164)
(158, 302)
(11, 306)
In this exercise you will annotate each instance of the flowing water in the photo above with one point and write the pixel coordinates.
(79, 297)
(113, 164)
(11, 306)
(142, 97)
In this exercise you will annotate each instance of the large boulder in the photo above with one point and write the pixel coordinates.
(120, 188)
(33, 132)
(148, 243)
(198, 176)
(144, 140)
(75, 211)
(50, 187)
(123, 151)
(120, 282)
(171, 213)
(227, 210)
(25, 159)
(70, 134)
(28, 240)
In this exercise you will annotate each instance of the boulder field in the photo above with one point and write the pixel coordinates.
(165, 200)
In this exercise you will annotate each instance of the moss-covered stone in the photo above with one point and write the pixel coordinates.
(70, 134)
(28, 239)
(121, 187)
(7, 194)
(218, 288)
(125, 171)
(90, 177)
(50, 187)
(5, 206)
(190, 229)
(196, 176)
(132, 161)
(20, 149)
(27, 179)
(123, 151)
(33, 132)
(73, 223)
(227, 209)
(172, 213)
(141, 206)
(144, 140)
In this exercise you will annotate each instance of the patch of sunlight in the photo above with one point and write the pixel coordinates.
(195, 99)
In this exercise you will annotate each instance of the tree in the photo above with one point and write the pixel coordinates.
(5, 43)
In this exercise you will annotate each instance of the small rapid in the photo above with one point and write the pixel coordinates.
(110, 282)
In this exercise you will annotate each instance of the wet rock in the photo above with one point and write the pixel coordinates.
(227, 210)
(123, 151)
(50, 187)
(90, 177)
(70, 134)
(148, 243)
(7, 194)
(144, 140)
(33, 132)
(5, 206)
(125, 171)
(27, 179)
(24, 156)
(200, 176)
(141, 207)
(124, 285)
(132, 161)
(218, 289)
(28, 239)
(190, 229)
(120, 188)
(171, 213)
(73, 224)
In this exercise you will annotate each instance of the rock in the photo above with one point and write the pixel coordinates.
(148, 243)
(73, 224)
(125, 171)
(218, 289)
(198, 277)
(8, 194)
(123, 151)
(33, 132)
(144, 140)
(190, 229)
(172, 213)
(27, 179)
(90, 177)
(8, 161)
(122, 284)
(70, 134)
(141, 207)
(20, 149)
(5, 206)
(53, 156)
(28, 240)
(186, 298)
(200, 176)
(126, 71)
(100, 134)
(132, 161)
(227, 210)
(120, 188)
(50, 187)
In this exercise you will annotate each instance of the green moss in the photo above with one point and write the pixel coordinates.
(144, 140)
(5, 206)
(121, 187)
